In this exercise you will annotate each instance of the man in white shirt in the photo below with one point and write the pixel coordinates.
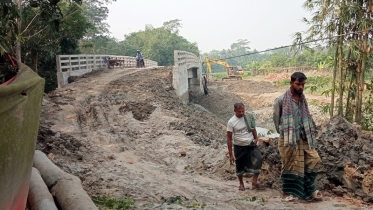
(242, 136)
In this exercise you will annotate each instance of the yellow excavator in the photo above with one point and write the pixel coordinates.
(233, 72)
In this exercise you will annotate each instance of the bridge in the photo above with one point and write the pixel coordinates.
(77, 65)
(187, 70)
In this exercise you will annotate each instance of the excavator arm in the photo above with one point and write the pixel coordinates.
(229, 69)
(208, 63)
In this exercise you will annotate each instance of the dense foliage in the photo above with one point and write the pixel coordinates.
(318, 57)
(156, 44)
(35, 31)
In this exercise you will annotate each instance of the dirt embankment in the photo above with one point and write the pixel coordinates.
(347, 154)
(345, 150)
(258, 96)
(125, 133)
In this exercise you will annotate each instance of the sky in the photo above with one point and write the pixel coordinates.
(214, 24)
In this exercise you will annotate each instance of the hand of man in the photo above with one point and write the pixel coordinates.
(231, 159)
(256, 141)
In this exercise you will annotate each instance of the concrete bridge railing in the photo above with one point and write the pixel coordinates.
(77, 65)
(187, 74)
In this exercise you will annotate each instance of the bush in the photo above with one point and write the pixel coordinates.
(105, 203)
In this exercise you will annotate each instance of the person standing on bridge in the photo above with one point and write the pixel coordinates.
(297, 142)
(138, 55)
(139, 60)
(242, 136)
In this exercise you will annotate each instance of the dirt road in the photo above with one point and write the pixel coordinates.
(124, 133)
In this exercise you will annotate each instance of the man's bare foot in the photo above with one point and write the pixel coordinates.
(258, 186)
(241, 188)
(317, 196)
(288, 198)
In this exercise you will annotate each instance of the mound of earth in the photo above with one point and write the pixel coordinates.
(347, 154)
(222, 96)
(140, 110)
(125, 133)
(347, 159)
(258, 96)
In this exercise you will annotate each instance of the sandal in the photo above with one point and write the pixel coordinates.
(317, 196)
(289, 198)
(258, 186)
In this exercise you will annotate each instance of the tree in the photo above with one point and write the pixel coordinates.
(158, 43)
(72, 28)
(348, 21)
(8, 25)
(15, 27)
(44, 28)
(97, 36)
(253, 66)
(326, 22)
(173, 26)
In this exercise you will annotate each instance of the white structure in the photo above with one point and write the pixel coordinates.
(187, 74)
(77, 65)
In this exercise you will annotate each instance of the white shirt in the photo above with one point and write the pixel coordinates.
(241, 136)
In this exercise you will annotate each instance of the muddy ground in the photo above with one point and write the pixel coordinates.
(124, 133)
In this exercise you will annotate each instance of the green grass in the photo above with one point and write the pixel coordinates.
(316, 84)
(178, 200)
(253, 199)
(107, 203)
(221, 75)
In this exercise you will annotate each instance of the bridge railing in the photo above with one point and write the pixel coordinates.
(187, 74)
(184, 58)
(77, 65)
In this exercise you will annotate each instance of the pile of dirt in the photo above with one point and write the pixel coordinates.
(223, 94)
(140, 98)
(347, 161)
(110, 128)
(347, 155)
(276, 77)
(125, 133)
(72, 79)
(140, 110)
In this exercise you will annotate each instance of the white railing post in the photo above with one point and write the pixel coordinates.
(70, 69)
(94, 62)
(59, 72)
(58, 63)
(79, 62)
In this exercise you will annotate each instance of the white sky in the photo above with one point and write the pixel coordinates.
(214, 24)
